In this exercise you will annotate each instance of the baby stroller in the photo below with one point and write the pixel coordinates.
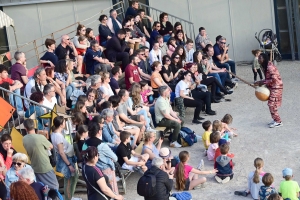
(268, 43)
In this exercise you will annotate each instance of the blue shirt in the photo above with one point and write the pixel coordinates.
(217, 51)
(50, 56)
(90, 62)
(130, 11)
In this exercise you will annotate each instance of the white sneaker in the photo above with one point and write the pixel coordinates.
(201, 165)
(74, 198)
(235, 79)
(175, 144)
(21, 113)
(218, 179)
(149, 129)
(272, 122)
(275, 125)
(226, 180)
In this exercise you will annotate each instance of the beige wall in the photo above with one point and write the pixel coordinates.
(36, 20)
(237, 20)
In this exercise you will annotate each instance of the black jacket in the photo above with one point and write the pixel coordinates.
(163, 185)
(114, 46)
(164, 30)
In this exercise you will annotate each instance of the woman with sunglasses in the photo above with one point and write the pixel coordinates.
(19, 161)
(176, 66)
(154, 33)
(166, 72)
(104, 31)
(96, 181)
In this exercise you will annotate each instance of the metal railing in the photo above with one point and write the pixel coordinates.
(35, 49)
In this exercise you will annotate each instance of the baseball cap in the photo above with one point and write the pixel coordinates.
(287, 172)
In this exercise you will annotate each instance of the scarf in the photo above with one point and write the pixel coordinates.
(115, 24)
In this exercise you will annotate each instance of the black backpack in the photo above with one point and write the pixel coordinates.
(146, 186)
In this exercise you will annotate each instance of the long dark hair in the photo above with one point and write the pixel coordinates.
(195, 56)
(265, 62)
(183, 56)
(90, 153)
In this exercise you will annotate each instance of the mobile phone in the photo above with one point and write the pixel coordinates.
(228, 45)
(161, 133)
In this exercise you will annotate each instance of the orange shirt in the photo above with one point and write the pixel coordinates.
(153, 76)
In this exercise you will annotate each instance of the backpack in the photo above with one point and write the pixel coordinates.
(188, 135)
(146, 186)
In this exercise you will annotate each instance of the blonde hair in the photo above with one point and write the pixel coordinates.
(217, 125)
(147, 136)
(135, 94)
(20, 157)
(104, 75)
(258, 163)
(227, 119)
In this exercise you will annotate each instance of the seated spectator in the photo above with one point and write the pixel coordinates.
(255, 179)
(181, 52)
(65, 161)
(156, 79)
(155, 53)
(132, 43)
(267, 189)
(162, 45)
(6, 150)
(96, 181)
(221, 58)
(176, 65)
(127, 157)
(136, 33)
(207, 126)
(106, 156)
(49, 96)
(109, 134)
(275, 196)
(14, 86)
(81, 47)
(49, 58)
(90, 104)
(171, 46)
(224, 165)
(81, 136)
(218, 150)
(116, 49)
(288, 189)
(19, 70)
(166, 72)
(178, 26)
(94, 62)
(113, 22)
(189, 51)
(21, 190)
(154, 33)
(164, 181)
(166, 117)
(184, 99)
(76, 79)
(37, 148)
(59, 86)
(138, 21)
(19, 161)
(62, 73)
(150, 148)
(27, 175)
(116, 74)
(132, 74)
(132, 10)
(187, 176)
(39, 111)
(96, 84)
(135, 120)
(81, 108)
(147, 94)
(144, 66)
(170, 162)
(89, 34)
(105, 87)
(3, 190)
(179, 37)
(35, 84)
(66, 49)
(202, 39)
(166, 27)
(104, 31)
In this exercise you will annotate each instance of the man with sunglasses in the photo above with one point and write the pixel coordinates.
(221, 58)
(66, 49)
(144, 66)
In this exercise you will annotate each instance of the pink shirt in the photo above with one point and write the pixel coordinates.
(144, 95)
(211, 151)
(187, 170)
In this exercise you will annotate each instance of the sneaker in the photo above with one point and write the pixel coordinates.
(235, 79)
(201, 165)
(74, 198)
(275, 125)
(272, 122)
(175, 144)
(226, 180)
(149, 129)
(218, 179)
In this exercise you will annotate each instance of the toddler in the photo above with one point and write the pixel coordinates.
(218, 151)
(289, 188)
(224, 165)
(147, 93)
(266, 190)
(207, 126)
(214, 139)
(218, 126)
(256, 66)
(82, 40)
(227, 119)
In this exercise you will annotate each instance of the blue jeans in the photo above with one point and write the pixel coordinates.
(69, 90)
(152, 112)
(144, 113)
(167, 37)
(15, 100)
(229, 65)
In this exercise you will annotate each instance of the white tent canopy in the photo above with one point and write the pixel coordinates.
(5, 20)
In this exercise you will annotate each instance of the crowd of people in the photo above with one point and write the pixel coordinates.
(111, 117)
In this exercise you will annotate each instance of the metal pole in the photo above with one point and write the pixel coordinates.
(297, 25)
(36, 52)
(15, 37)
(289, 11)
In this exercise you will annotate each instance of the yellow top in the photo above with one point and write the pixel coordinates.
(205, 137)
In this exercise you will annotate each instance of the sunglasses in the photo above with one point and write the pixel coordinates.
(68, 39)
(142, 54)
(16, 163)
(177, 57)
(223, 42)
(167, 60)
(157, 26)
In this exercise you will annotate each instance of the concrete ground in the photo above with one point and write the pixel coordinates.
(278, 147)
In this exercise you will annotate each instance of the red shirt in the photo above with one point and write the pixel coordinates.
(131, 71)
(8, 80)
(218, 153)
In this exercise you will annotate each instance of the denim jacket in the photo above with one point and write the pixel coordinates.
(108, 134)
(106, 156)
(11, 177)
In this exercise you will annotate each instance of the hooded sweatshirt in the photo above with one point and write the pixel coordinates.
(224, 165)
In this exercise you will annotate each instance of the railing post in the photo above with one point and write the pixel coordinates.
(36, 52)
(52, 36)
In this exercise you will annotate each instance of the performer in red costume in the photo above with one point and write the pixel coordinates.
(274, 83)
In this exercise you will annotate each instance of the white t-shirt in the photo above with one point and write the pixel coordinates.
(48, 103)
(107, 90)
(181, 85)
(58, 138)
